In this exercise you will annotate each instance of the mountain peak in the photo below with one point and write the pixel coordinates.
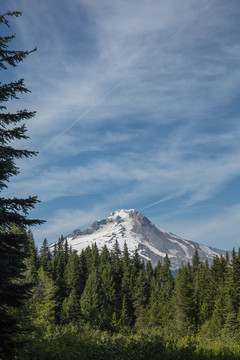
(151, 241)
(123, 213)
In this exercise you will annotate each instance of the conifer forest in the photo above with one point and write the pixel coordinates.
(64, 305)
(97, 305)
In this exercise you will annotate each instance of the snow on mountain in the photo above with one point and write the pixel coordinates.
(151, 241)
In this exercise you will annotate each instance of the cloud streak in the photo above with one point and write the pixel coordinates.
(136, 104)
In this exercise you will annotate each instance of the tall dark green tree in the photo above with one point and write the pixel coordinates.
(45, 256)
(74, 279)
(184, 300)
(92, 300)
(32, 261)
(13, 211)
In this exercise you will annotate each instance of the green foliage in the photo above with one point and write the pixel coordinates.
(13, 211)
(42, 303)
(72, 343)
(70, 311)
(109, 296)
(92, 300)
(184, 302)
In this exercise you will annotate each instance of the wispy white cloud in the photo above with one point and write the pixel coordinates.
(180, 166)
(134, 100)
(124, 42)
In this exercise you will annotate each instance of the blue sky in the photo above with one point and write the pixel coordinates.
(137, 107)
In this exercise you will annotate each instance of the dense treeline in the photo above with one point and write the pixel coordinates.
(115, 292)
(108, 304)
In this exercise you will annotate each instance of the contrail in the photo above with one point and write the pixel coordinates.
(171, 38)
(83, 114)
(169, 197)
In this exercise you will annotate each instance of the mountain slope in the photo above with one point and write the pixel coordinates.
(151, 241)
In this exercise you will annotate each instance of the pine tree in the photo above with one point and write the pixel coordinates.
(141, 294)
(195, 262)
(125, 258)
(74, 280)
(127, 287)
(232, 294)
(124, 321)
(155, 308)
(45, 256)
(118, 266)
(60, 266)
(218, 317)
(158, 272)
(42, 303)
(149, 271)
(167, 282)
(92, 258)
(13, 211)
(141, 291)
(92, 300)
(75, 274)
(162, 285)
(70, 311)
(105, 255)
(185, 310)
(205, 292)
(109, 295)
(115, 256)
(32, 261)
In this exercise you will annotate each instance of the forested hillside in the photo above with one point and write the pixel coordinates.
(113, 299)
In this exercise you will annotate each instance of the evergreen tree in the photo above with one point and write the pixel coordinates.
(167, 282)
(105, 255)
(42, 303)
(109, 295)
(149, 271)
(74, 280)
(13, 211)
(185, 310)
(124, 321)
(95, 261)
(218, 317)
(118, 264)
(60, 266)
(195, 262)
(141, 294)
(205, 293)
(233, 280)
(155, 308)
(115, 256)
(32, 261)
(75, 274)
(160, 306)
(125, 257)
(88, 255)
(127, 286)
(70, 311)
(232, 294)
(158, 272)
(45, 256)
(141, 291)
(92, 300)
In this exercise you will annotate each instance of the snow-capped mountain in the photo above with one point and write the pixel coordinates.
(151, 241)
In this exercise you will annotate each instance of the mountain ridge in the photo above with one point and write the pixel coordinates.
(151, 241)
